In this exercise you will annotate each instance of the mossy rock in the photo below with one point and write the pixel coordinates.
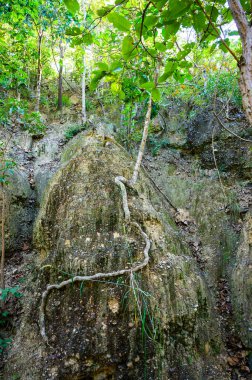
(152, 325)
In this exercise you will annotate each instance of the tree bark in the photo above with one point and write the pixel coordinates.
(245, 63)
(39, 70)
(60, 82)
(142, 145)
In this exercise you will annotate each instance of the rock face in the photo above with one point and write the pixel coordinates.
(242, 284)
(19, 212)
(231, 153)
(155, 324)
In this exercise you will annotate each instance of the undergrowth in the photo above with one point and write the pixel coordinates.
(7, 297)
(73, 131)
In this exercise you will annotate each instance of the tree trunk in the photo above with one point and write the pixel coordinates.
(142, 145)
(39, 70)
(245, 64)
(83, 82)
(60, 83)
(245, 81)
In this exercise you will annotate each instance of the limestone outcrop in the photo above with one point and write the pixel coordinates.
(156, 323)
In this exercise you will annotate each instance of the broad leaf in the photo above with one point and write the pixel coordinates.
(102, 66)
(199, 21)
(159, 4)
(72, 5)
(119, 21)
(148, 85)
(128, 47)
(74, 31)
(115, 88)
(161, 47)
(87, 39)
(104, 10)
(98, 75)
(155, 93)
(233, 33)
(177, 8)
(149, 21)
(170, 30)
(115, 66)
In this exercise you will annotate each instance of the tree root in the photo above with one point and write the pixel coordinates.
(120, 181)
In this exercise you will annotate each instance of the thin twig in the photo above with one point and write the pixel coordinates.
(217, 31)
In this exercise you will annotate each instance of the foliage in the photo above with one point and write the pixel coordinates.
(225, 86)
(6, 296)
(15, 113)
(157, 144)
(73, 131)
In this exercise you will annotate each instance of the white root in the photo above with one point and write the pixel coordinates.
(120, 181)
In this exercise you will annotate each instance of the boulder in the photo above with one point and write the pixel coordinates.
(154, 323)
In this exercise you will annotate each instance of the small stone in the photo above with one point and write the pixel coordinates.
(130, 365)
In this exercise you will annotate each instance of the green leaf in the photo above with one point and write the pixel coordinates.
(170, 66)
(150, 20)
(128, 47)
(185, 64)
(115, 88)
(87, 39)
(122, 95)
(233, 33)
(186, 50)
(155, 93)
(119, 21)
(116, 66)
(74, 31)
(102, 66)
(163, 77)
(213, 47)
(72, 5)
(213, 12)
(177, 8)
(223, 46)
(199, 21)
(104, 10)
(161, 47)
(98, 75)
(179, 76)
(148, 85)
(170, 30)
(159, 4)
(169, 45)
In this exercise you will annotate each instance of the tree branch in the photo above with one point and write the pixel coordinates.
(217, 30)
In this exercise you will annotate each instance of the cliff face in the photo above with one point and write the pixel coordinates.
(242, 284)
(156, 323)
(187, 314)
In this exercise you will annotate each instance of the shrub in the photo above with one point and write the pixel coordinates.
(14, 112)
(5, 311)
(73, 131)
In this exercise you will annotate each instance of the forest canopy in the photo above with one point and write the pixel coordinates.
(125, 50)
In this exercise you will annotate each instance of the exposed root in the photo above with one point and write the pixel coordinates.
(120, 181)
